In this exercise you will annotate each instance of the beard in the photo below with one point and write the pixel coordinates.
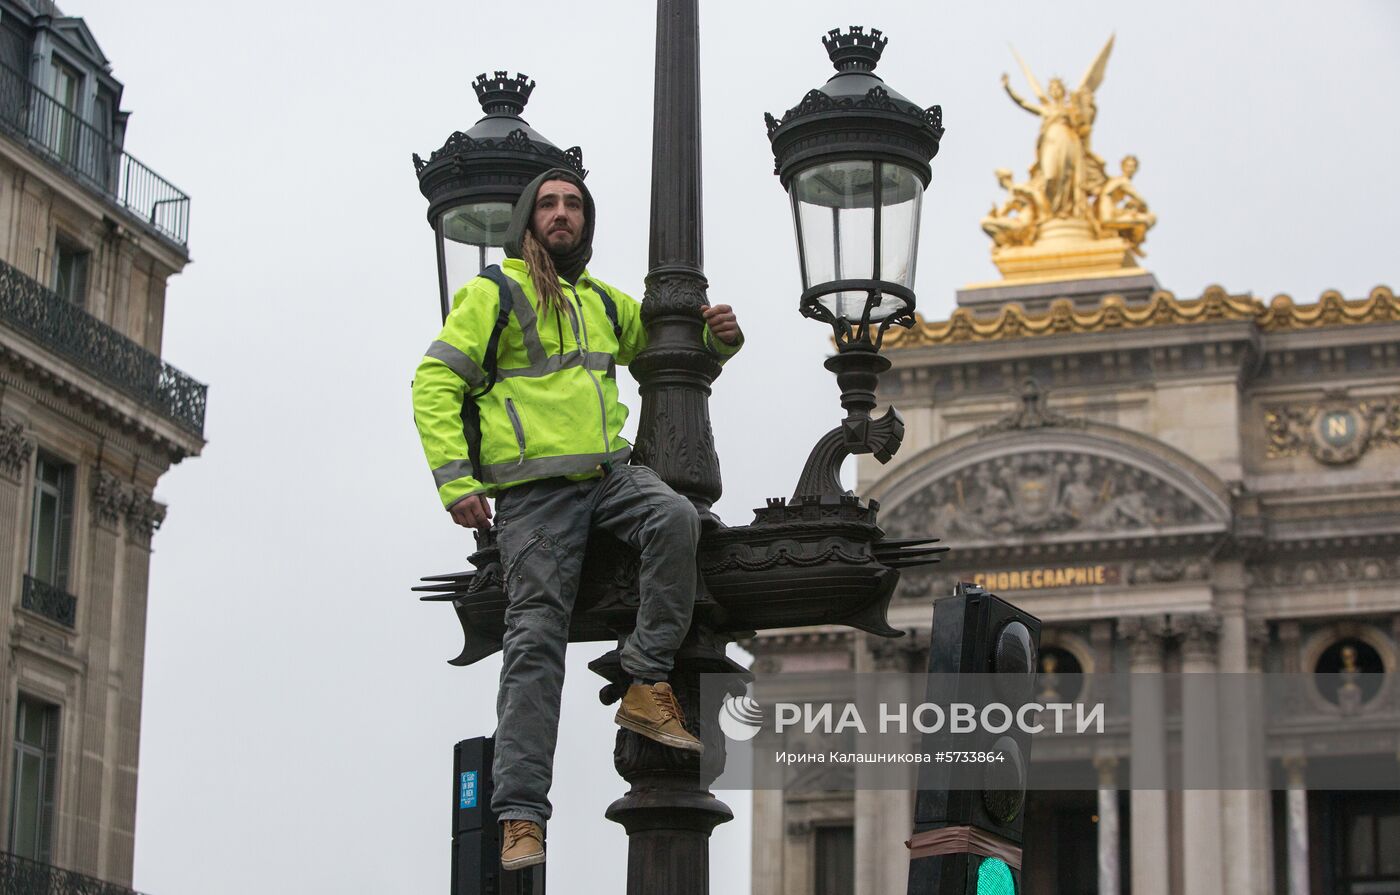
(561, 242)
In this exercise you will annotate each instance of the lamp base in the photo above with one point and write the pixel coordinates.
(857, 365)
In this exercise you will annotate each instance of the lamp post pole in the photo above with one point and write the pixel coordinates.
(675, 371)
(669, 811)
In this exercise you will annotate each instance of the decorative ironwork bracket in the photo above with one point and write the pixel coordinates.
(821, 476)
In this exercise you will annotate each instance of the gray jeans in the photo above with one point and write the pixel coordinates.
(542, 532)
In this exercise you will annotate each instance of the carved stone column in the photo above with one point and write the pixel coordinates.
(1200, 753)
(767, 842)
(1299, 879)
(1259, 844)
(1101, 638)
(108, 503)
(143, 516)
(1110, 871)
(16, 449)
(1148, 737)
(798, 858)
(1258, 633)
(1289, 638)
(885, 818)
(1229, 585)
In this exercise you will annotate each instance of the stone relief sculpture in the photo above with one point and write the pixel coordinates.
(1336, 430)
(1045, 492)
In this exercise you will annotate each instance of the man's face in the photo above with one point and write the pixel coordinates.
(558, 218)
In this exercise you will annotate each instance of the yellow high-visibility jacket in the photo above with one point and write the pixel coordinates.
(554, 409)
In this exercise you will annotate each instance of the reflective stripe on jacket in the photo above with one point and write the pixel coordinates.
(554, 409)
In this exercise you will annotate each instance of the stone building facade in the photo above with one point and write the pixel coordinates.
(90, 418)
(1203, 484)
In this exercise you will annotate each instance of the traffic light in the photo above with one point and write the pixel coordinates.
(970, 810)
(476, 840)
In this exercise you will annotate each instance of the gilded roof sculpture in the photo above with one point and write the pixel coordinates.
(1071, 218)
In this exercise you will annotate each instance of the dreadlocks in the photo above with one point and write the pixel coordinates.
(542, 273)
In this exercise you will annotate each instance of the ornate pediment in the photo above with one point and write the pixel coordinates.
(1045, 492)
(76, 31)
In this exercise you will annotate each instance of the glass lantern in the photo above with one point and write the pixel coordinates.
(854, 158)
(474, 180)
(470, 238)
(857, 225)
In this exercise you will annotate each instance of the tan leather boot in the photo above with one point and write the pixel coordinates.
(522, 844)
(652, 711)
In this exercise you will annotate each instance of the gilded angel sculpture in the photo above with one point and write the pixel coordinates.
(1066, 170)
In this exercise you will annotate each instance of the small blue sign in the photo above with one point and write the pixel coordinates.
(467, 790)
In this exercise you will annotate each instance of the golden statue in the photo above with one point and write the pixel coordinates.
(1069, 220)
(1121, 209)
(1066, 169)
(1013, 224)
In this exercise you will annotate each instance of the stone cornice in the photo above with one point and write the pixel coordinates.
(798, 640)
(93, 398)
(1113, 314)
(1331, 309)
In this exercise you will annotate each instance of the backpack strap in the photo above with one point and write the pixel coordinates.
(489, 360)
(611, 307)
(471, 412)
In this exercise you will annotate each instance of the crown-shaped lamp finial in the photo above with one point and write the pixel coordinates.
(855, 50)
(503, 95)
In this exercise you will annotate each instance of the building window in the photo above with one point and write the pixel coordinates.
(102, 154)
(51, 522)
(36, 770)
(70, 264)
(1369, 829)
(835, 853)
(15, 44)
(63, 128)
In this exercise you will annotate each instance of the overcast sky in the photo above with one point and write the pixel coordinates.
(299, 712)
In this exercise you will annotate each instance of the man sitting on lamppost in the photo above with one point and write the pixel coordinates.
(517, 400)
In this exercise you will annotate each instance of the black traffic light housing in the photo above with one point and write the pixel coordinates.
(983, 651)
(476, 840)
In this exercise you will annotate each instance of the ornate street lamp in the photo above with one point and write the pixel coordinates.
(474, 180)
(854, 158)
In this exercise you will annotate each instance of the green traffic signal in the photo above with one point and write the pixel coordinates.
(994, 878)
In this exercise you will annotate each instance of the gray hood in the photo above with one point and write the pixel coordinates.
(570, 264)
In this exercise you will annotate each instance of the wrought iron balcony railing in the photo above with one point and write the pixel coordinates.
(53, 603)
(69, 331)
(52, 130)
(21, 876)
